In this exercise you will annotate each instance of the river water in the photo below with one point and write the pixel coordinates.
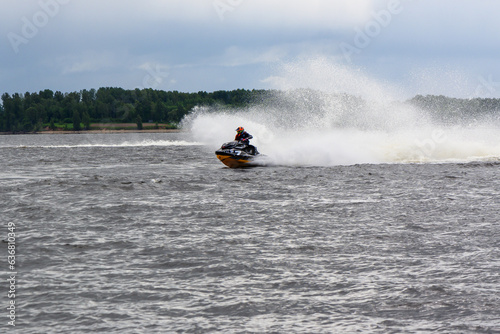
(150, 233)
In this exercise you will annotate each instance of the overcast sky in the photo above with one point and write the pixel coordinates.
(449, 47)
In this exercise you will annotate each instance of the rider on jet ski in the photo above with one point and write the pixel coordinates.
(245, 137)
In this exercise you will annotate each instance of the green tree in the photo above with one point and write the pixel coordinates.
(31, 115)
(52, 125)
(2, 118)
(138, 121)
(159, 112)
(47, 94)
(18, 109)
(86, 121)
(76, 121)
(7, 112)
(38, 126)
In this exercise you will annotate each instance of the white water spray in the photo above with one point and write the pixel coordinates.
(325, 114)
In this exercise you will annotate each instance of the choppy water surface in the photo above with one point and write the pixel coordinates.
(150, 233)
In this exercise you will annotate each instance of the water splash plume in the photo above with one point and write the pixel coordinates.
(324, 114)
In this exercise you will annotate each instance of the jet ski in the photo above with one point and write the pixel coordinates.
(236, 154)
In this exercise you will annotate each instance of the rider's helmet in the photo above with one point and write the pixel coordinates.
(240, 129)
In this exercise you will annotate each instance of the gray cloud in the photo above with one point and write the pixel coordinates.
(223, 44)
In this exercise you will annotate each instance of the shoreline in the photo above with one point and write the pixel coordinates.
(102, 131)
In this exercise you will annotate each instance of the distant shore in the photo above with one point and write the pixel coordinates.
(99, 129)
(62, 132)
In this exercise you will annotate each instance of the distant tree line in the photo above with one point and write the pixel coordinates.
(452, 109)
(32, 112)
(78, 110)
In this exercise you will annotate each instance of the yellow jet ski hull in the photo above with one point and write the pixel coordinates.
(232, 161)
(237, 155)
